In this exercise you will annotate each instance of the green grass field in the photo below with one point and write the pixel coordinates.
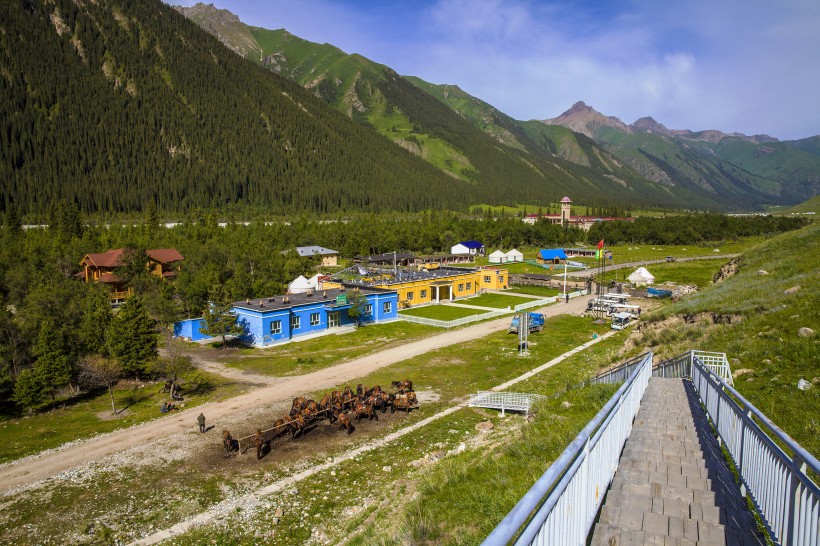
(91, 414)
(442, 312)
(540, 291)
(317, 353)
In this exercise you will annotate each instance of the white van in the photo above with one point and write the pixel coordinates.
(621, 320)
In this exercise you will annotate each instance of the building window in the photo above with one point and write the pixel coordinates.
(488, 279)
(314, 319)
(368, 309)
(294, 322)
(469, 286)
(276, 327)
(409, 296)
(387, 307)
(461, 287)
(423, 294)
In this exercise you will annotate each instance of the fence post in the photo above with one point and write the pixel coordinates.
(790, 534)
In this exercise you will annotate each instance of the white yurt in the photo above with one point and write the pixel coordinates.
(315, 281)
(498, 257)
(515, 255)
(300, 285)
(641, 277)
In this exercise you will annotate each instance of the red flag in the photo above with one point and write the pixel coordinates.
(600, 244)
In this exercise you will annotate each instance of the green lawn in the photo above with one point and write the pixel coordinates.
(699, 273)
(500, 301)
(442, 312)
(90, 414)
(317, 353)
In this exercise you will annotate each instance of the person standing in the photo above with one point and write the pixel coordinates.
(201, 421)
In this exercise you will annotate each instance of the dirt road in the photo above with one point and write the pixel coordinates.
(34, 469)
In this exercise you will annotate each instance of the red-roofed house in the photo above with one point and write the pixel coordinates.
(101, 267)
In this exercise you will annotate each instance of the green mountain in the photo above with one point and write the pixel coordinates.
(745, 171)
(114, 105)
(500, 153)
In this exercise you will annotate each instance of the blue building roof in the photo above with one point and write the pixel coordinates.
(471, 244)
(552, 254)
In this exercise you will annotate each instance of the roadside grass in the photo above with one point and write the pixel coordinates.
(364, 498)
(700, 272)
(639, 253)
(763, 333)
(314, 354)
(89, 415)
(441, 312)
(360, 486)
(540, 291)
(500, 301)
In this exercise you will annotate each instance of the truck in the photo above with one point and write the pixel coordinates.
(536, 322)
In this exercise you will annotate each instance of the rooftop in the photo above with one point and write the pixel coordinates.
(327, 297)
(315, 250)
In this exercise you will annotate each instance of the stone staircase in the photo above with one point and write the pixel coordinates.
(673, 486)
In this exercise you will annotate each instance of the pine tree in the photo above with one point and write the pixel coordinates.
(131, 338)
(219, 318)
(53, 365)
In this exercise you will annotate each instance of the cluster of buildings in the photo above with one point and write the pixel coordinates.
(101, 267)
(565, 218)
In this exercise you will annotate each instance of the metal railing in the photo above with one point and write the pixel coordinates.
(787, 500)
(561, 507)
(619, 373)
(505, 401)
(536, 303)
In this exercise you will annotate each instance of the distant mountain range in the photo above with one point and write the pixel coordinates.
(582, 152)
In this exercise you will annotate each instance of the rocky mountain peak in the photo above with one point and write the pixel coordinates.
(584, 119)
(649, 124)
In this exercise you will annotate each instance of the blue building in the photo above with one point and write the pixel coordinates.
(279, 319)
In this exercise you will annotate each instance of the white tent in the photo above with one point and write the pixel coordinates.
(641, 277)
(299, 285)
(314, 282)
(498, 257)
(515, 256)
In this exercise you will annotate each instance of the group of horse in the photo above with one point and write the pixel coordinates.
(338, 407)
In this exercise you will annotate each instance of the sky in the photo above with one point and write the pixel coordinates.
(747, 66)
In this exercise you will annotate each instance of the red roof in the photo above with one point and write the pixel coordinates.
(109, 278)
(110, 258)
(165, 255)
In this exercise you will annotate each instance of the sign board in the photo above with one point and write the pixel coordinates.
(341, 299)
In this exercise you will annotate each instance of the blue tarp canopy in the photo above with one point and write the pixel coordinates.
(552, 254)
(471, 244)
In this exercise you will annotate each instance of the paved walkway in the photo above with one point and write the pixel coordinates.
(673, 486)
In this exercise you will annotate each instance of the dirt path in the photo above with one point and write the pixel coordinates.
(36, 468)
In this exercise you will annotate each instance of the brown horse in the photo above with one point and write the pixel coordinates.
(280, 427)
(365, 410)
(229, 442)
(402, 386)
(405, 401)
(344, 421)
(297, 425)
(258, 440)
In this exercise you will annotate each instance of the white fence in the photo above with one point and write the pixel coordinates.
(505, 401)
(786, 498)
(456, 322)
(561, 507)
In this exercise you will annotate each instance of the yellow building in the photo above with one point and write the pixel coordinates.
(435, 285)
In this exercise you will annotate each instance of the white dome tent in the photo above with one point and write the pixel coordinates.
(300, 285)
(641, 277)
(515, 255)
(498, 257)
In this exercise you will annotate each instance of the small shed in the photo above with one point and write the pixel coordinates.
(300, 285)
(468, 247)
(498, 257)
(330, 257)
(515, 255)
(551, 256)
(641, 277)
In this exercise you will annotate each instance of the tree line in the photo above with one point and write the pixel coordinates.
(57, 332)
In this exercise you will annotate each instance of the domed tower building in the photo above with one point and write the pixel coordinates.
(566, 209)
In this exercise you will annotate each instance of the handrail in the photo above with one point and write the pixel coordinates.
(579, 477)
(786, 498)
(619, 373)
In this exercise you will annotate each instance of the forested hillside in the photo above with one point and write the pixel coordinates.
(113, 106)
(413, 116)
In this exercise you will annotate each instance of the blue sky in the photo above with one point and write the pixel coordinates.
(734, 65)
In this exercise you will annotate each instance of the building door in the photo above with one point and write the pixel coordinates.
(334, 319)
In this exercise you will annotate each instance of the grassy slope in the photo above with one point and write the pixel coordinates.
(766, 339)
